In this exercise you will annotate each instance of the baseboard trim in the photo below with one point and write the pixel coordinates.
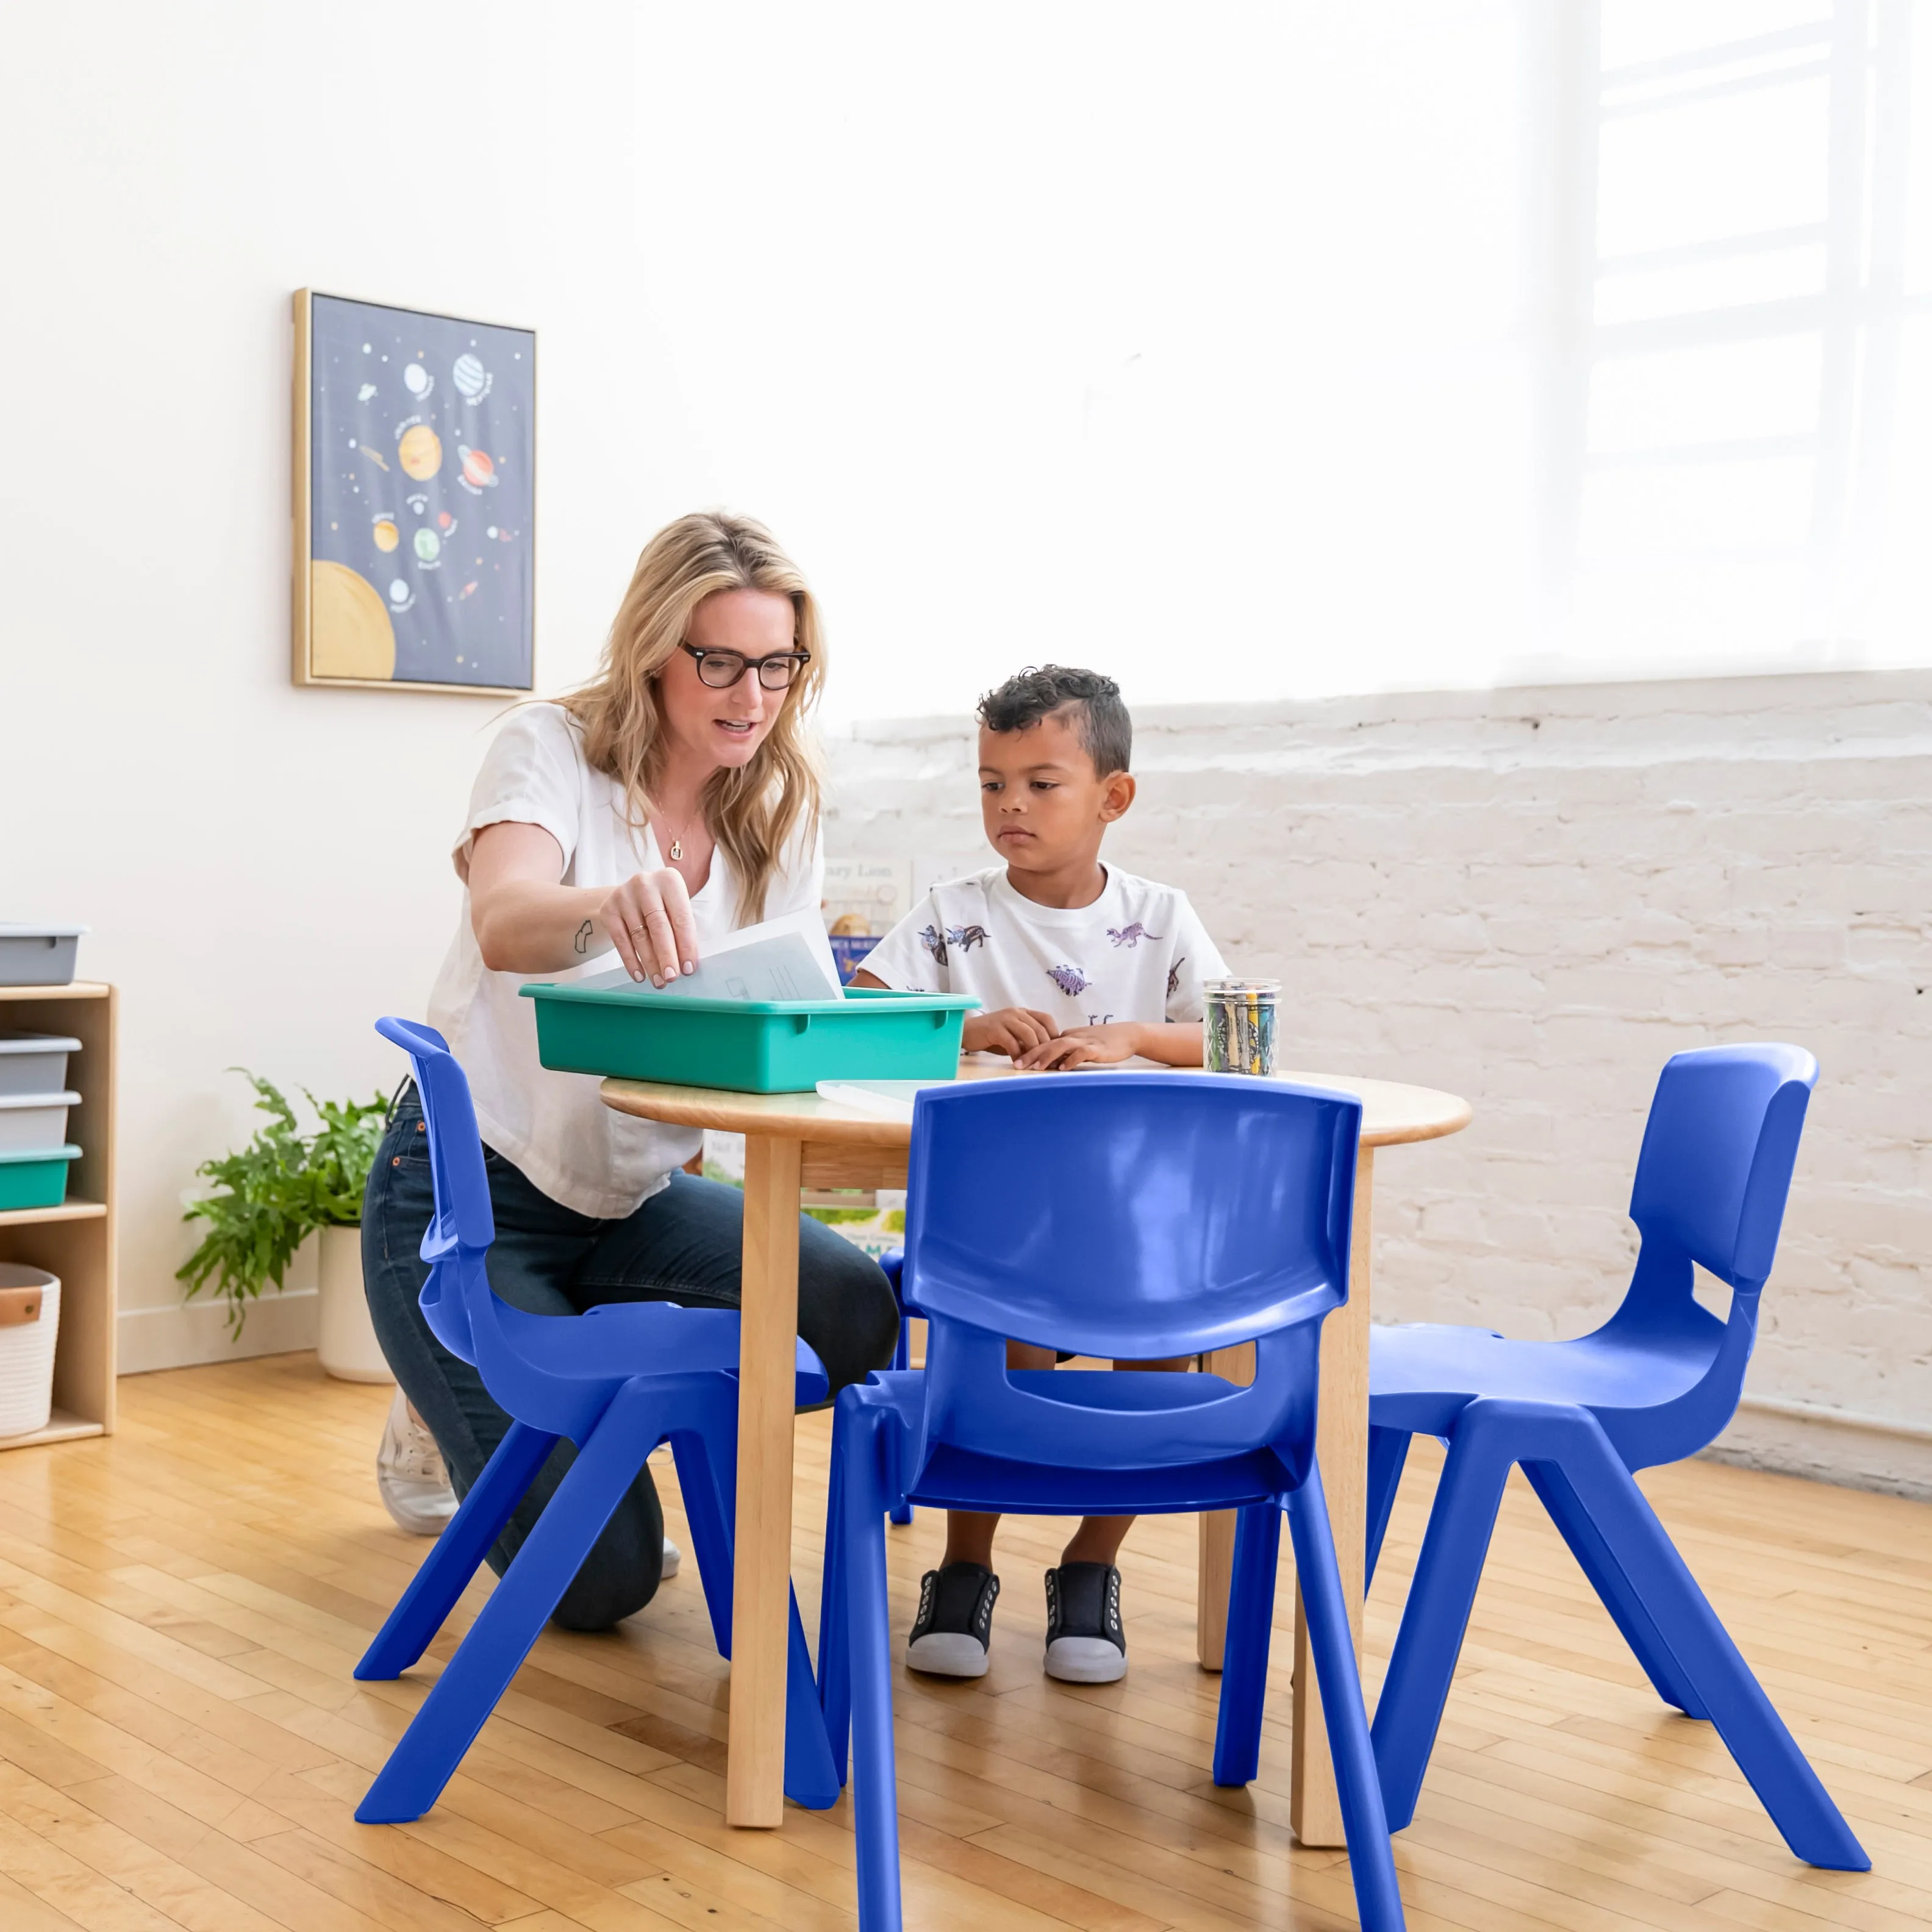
(1838, 1418)
(185, 1334)
(1828, 1445)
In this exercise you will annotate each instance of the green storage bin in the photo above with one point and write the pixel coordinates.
(749, 1046)
(34, 1177)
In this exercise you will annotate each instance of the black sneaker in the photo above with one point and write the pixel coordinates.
(1085, 1643)
(954, 1623)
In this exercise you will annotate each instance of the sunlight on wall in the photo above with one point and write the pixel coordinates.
(1292, 351)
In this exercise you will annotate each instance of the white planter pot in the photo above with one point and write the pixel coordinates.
(345, 1337)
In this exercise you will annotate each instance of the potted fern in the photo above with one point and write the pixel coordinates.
(264, 1202)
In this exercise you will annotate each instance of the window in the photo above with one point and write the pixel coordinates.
(1740, 469)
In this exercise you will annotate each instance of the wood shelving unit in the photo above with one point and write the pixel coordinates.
(76, 1240)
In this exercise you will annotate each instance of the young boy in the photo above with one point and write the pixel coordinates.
(1076, 963)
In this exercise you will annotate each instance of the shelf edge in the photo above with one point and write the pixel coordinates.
(68, 1211)
(63, 1426)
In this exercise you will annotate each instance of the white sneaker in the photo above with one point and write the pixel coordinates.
(410, 1476)
(415, 1486)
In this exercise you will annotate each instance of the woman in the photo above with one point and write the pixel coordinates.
(670, 802)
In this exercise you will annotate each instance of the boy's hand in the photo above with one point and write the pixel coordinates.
(1083, 1046)
(1013, 1031)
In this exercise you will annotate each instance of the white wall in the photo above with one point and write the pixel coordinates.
(1532, 898)
(264, 868)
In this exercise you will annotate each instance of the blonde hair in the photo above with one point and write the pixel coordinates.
(754, 810)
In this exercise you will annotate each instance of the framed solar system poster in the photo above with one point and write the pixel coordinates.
(415, 499)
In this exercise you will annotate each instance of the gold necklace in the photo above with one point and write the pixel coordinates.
(677, 851)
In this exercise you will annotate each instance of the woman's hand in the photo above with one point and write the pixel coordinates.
(649, 920)
(1013, 1031)
(1082, 1046)
(526, 921)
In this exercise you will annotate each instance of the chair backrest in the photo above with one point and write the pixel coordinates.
(1712, 1178)
(463, 1226)
(1129, 1215)
(1718, 1149)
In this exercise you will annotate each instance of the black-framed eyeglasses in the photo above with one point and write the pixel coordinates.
(721, 669)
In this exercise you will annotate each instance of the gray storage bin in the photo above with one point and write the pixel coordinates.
(34, 1063)
(37, 954)
(29, 1121)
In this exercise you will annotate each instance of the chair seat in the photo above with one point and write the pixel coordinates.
(614, 1342)
(1422, 1375)
(959, 1478)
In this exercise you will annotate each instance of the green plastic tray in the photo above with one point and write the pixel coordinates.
(34, 1177)
(749, 1046)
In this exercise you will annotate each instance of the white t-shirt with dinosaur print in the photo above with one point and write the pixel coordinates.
(1139, 952)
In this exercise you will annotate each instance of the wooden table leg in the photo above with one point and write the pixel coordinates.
(1342, 1452)
(755, 1775)
(1216, 1559)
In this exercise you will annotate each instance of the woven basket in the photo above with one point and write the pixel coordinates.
(29, 1325)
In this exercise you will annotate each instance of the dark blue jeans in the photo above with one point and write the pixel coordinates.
(682, 1245)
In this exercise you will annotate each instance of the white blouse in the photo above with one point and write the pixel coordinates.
(552, 1126)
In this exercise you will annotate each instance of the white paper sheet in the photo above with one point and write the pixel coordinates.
(884, 1099)
(787, 958)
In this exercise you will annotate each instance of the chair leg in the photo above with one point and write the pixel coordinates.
(835, 1661)
(874, 1786)
(708, 1492)
(810, 1779)
(1606, 1578)
(500, 1638)
(1331, 1644)
(1656, 1575)
(1409, 1711)
(445, 1573)
(901, 1512)
(1388, 1450)
(1237, 1733)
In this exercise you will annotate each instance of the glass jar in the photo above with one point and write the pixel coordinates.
(1239, 1031)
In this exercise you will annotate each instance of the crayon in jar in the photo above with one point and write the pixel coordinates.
(1239, 1030)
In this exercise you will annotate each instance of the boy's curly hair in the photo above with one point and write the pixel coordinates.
(1041, 691)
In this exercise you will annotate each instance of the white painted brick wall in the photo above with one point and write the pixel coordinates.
(1532, 898)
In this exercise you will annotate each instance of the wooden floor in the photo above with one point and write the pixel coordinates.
(182, 1743)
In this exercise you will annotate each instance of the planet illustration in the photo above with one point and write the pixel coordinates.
(472, 380)
(385, 533)
(479, 473)
(419, 450)
(349, 634)
(417, 379)
(375, 456)
(445, 520)
(399, 592)
(368, 390)
(429, 545)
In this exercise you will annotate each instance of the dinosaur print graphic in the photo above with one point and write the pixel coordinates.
(966, 937)
(1070, 979)
(1131, 935)
(1174, 976)
(933, 940)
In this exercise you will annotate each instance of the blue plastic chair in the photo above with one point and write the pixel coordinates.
(893, 1264)
(1126, 1215)
(618, 1381)
(1656, 1383)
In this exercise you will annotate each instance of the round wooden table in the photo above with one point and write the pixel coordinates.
(797, 1141)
